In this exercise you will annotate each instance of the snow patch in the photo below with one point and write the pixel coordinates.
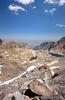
(33, 61)
(40, 80)
(53, 67)
(23, 62)
(53, 62)
(1, 66)
(52, 72)
(31, 68)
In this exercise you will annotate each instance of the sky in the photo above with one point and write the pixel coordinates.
(38, 20)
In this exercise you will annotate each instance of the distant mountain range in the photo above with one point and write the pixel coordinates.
(44, 45)
(60, 44)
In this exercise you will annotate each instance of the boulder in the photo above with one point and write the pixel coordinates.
(40, 89)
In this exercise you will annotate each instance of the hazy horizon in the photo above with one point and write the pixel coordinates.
(32, 20)
(31, 42)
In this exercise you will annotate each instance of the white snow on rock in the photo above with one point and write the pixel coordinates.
(23, 62)
(0, 68)
(9, 81)
(52, 72)
(54, 67)
(53, 62)
(40, 80)
(32, 61)
(31, 68)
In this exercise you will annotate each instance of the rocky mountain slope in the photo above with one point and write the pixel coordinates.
(58, 45)
(27, 74)
(44, 46)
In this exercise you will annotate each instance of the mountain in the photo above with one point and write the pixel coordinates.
(60, 44)
(44, 45)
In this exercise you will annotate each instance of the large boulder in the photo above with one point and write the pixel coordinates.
(40, 89)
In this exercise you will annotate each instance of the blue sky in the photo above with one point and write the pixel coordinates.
(32, 19)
